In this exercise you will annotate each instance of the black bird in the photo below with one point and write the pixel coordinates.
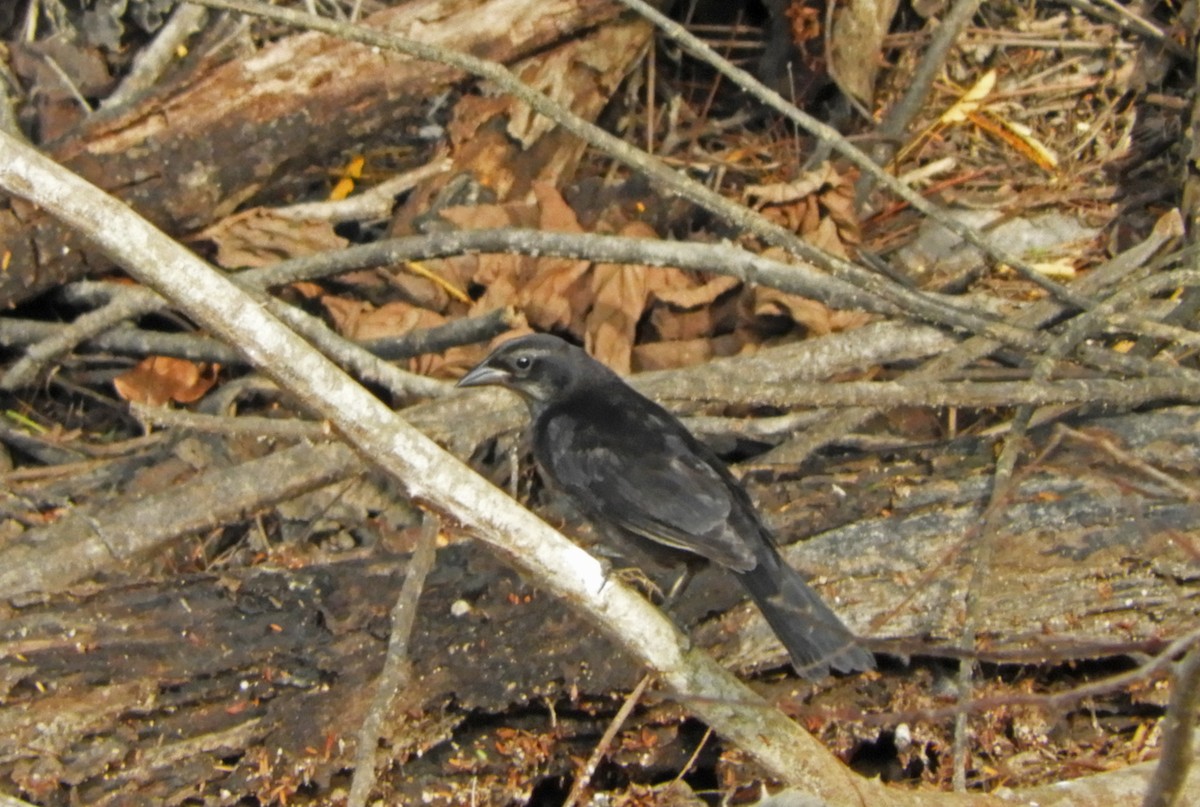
(630, 466)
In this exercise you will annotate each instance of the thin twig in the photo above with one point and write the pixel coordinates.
(8, 103)
(1124, 457)
(901, 113)
(981, 548)
(162, 417)
(12, 801)
(397, 667)
(584, 778)
(153, 60)
(1110, 11)
(132, 304)
(372, 204)
(1179, 724)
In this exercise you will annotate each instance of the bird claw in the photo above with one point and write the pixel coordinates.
(636, 578)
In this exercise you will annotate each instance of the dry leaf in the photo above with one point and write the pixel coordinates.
(689, 299)
(344, 312)
(819, 206)
(667, 325)
(683, 353)
(157, 380)
(554, 293)
(817, 318)
(261, 237)
(972, 100)
(390, 319)
(1019, 136)
(1061, 268)
(856, 44)
(619, 297)
(557, 295)
(487, 217)
(555, 214)
(837, 204)
(307, 289)
(498, 276)
(777, 193)
(826, 236)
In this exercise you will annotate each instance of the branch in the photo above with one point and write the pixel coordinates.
(1178, 726)
(397, 667)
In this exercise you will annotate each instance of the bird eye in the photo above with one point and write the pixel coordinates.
(523, 362)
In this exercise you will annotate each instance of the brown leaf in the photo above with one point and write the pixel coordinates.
(157, 380)
(471, 113)
(261, 237)
(825, 235)
(818, 205)
(619, 299)
(556, 215)
(690, 298)
(668, 325)
(486, 217)
(804, 186)
(498, 276)
(390, 319)
(683, 353)
(838, 204)
(307, 289)
(344, 312)
(856, 43)
(557, 295)
(817, 318)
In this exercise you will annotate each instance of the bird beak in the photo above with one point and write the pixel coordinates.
(482, 376)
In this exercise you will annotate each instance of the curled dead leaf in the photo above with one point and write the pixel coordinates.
(362, 321)
(158, 380)
(817, 318)
(262, 237)
(619, 297)
(690, 298)
(556, 295)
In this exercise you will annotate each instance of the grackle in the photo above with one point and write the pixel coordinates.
(632, 468)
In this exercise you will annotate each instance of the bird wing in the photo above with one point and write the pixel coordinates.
(645, 476)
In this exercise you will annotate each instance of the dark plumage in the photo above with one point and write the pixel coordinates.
(629, 465)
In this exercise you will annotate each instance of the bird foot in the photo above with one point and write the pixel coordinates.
(632, 576)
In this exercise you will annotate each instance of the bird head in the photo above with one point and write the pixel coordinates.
(538, 367)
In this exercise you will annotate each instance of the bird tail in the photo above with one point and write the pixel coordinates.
(815, 638)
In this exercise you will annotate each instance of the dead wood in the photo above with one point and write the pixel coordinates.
(207, 668)
(90, 540)
(193, 154)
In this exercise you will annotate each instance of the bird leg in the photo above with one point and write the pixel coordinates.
(679, 586)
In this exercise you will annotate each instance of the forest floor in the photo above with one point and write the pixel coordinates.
(986, 456)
